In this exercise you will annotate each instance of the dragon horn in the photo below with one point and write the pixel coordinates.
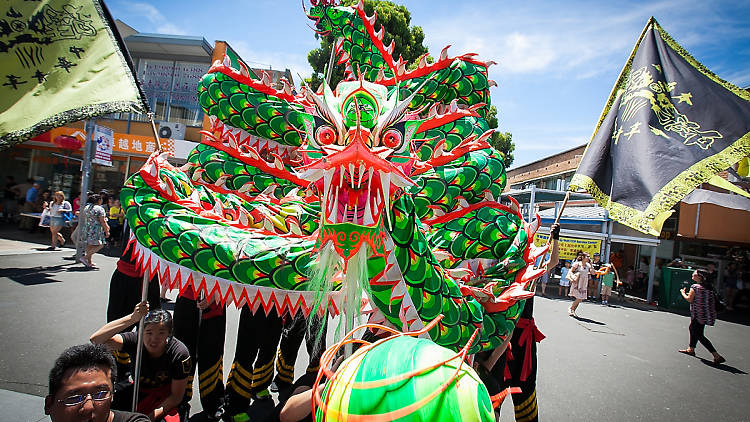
(329, 114)
(398, 110)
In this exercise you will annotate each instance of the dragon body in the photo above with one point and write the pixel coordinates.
(382, 192)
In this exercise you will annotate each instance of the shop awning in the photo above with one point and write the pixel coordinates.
(524, 196)
(576, 215)
(726, 200)
(713, 216)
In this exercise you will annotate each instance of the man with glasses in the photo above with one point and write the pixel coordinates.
(80, 387)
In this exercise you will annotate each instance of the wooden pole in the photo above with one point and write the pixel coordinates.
(156, 133)
(330, 67)
(139, 348)
(562, 208)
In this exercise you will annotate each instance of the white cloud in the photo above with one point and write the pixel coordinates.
(278, 60)
(740, 78)
(570, 41)
(160, 24)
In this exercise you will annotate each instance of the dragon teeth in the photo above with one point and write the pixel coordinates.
(361, 174)
(335, 210)
(368, 219)
(385, 183)
(351, 174)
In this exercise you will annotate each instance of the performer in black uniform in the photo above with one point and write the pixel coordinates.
(518, 365)
(521, 369)
(204, 338)
(257, 340)
(295, 330)
(124, 293)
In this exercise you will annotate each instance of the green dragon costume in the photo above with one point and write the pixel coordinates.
(379, 196)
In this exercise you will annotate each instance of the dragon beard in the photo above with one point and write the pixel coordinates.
(331, 269)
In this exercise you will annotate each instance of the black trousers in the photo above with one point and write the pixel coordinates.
(124, 294)
(525, 402)
(204, 339)
(696, 335)
(252, 370)
(295, 330)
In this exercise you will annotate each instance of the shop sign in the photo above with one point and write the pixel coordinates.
(569, 246)
(123, 143)
(104, 138)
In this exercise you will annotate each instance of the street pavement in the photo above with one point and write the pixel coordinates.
(616, 363)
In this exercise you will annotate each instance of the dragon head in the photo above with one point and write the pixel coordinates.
(358, 155)
(327, 16)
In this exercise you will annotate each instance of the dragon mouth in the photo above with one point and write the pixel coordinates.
(354, 194)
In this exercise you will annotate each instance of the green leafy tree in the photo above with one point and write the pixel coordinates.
(501, 141)
(395, 18)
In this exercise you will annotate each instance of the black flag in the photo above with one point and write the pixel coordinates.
(668, 126)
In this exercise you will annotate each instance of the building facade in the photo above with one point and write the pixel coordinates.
(709, 226)
(168, 68)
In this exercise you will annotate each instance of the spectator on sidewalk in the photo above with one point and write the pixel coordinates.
(702, 313)
(594, 280)
(11, 193)
(578, 288)
(29, 207)
(165, 365)
(608, 280)
(95, 230)
(56, 209)
(80, 387)
(730, 285)
(564, 282)
(116, 217)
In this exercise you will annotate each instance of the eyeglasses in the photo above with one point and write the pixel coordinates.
(80, 398)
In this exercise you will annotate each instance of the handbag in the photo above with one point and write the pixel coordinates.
(67, 215)
(45, 218)
(573, 276)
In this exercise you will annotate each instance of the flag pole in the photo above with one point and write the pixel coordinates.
(562, 208)
(85, 176)
(330, 67)
(156, 133)
(139, 347)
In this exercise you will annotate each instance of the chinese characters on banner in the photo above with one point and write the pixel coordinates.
(156, 75)
(123, 143)
(569, 246)
(187, 75)
(105, 139)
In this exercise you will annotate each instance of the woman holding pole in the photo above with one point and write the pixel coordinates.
(165, 366)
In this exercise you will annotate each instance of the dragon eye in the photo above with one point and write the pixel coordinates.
(325, 135)
(393, 139)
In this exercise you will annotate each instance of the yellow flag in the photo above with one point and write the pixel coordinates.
(60, 61)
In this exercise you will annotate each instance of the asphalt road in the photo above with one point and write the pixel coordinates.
(615, 363)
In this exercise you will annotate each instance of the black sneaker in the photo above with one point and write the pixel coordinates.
(216, 415)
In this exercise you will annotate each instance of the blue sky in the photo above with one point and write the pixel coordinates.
(557, 61)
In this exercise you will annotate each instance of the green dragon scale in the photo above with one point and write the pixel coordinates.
(378, 196)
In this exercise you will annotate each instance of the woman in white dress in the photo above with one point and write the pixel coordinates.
(578, 288)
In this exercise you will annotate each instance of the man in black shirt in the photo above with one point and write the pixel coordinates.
(595, 280)
(80, 387)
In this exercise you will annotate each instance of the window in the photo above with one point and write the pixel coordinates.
(170, 87)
